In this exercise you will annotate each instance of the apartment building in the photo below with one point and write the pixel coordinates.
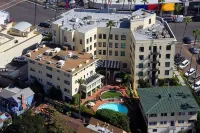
(140, 42)
(168, 109)
(57, 66)
(18, 37)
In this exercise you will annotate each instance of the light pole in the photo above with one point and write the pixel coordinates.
(35, 14)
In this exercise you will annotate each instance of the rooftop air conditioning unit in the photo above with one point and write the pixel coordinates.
(57, 50)
(89, 17)
(70, 54)
(80, 65)
(28, 54)
(42, 46)
(75, 20)
(92, 22)
(35, 50)
(48, 62)
(60, 62)
(59, 66)
(47, 52)
(38, 58)
(86, 61)
(71, 70)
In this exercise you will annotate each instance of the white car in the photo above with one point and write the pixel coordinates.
(184, 64)
(196, 86)
(190, 72)
(20, 59)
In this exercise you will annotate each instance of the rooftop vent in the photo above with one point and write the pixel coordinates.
(71, 70)
(42, 46)
(48, 62)
(39, 57)
(91, 22)
(89, 17)
(86, 61)
(75, 56)
(47, 52)
(56, 50)
(159, 96)
(75, 20)
(35, 50)
(70, 54)
(80, 65)
(28, 54)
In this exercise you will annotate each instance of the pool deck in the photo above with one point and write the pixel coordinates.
(97, 94)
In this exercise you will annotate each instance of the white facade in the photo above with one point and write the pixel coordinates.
(4, 17)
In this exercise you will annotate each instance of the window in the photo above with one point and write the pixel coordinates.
(154, 130)
(104, 52)
(166, 72)
(110, 52)
(95, 45)
(100, 52)
(116, 45)
(32, 69)
(67, 75)
(49, 75)
(140, 65)
(159, 55)
(110, 45)
(116, 53)
(32, 77)
(160, 47)
(181, 113)
(123, 45)
(87, 49)
(81, 41)
(180, 121)
(191, 121)
(167, 56)
(58, 86)
(65, 38)
(73, 39)
(122, 53)
(95, 52)
(104, 36)
(141, 49)
(54, 32)
(163, 114)
(152, 115)
(123, 37)
(140, 73)
(168, 47)
(111, 36)
(191, 113)
(58, 78)
(104, 44)
(124, 65)
(95, 37)
(141, 57)
(100, 44)
(90, 47)
(149, 47)
(116, 37)
(90, 39)
(149, 21)
(100, 36)
(167, 64)
(172, 114)
(66, 82)
(87, 41)
(40, 64)
(49, 68)
(66, 90)
(49, 84)
(33, 62)
(153, 123)
(163, 122)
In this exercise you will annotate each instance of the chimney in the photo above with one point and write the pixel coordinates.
(22, 99)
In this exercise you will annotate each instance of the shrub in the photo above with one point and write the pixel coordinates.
(75, 99)
(114, 118)
(55, 94)
(161, 82)
(143, 83)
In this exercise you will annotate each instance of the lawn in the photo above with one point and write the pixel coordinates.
(111, 94)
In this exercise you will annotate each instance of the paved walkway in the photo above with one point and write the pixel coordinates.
(179, 76)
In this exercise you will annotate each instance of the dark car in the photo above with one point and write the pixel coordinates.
(194, 50)
(169, 19)
(187, 40)
(44, 24)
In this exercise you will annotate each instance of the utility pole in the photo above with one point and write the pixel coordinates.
(35, 14)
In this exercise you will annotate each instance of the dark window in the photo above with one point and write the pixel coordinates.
(167, 64)
(140, 65)
(123, 45)
(191, 113)
(104, 36)
(104, 44)
(95, 45)
(122, 53)
(49, 68)
(110, 45)
(95, 36)
(87, 49)
(168, 47)
(100, 52)
(95, 52)
(160, 47)
(172, 114)
(141, 57)
(124, 65)
(33, 62)
(49, 75)
(100, 36)
(149, 47)
(90, 47)
(123, 37)
(87, 41)
(116, 45)
(100, 44)
(154, 130)
(80, 41)
(140, 73)
(58, 78)
(90, 39)
(73, 39)
(104, 52)
(116, 37)
(149, 21)
(111, 36)
(66, 82)
(141, 49)
(116, 53)
(191, 121)
(163, 114)
(152, 115)
(110, 52)
(166, 72)
(159, 55)
(167, 56)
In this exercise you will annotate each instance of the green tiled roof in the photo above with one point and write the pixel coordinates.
(167, 99)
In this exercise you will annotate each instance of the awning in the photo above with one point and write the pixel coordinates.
(109, 64)
(168, 7)
(153, 7)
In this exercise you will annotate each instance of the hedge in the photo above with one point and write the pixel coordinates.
(117, 119)
(75, 99)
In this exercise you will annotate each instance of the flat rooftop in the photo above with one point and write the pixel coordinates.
(72, 61)
(84, 20)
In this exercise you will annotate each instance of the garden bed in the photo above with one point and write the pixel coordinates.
(111, 94)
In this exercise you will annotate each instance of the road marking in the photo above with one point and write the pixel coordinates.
(14, 4)
(8, 3)
(193, 58)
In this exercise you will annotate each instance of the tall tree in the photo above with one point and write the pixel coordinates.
(178, 7)
(110, 24)
(35, 14)
(196, 34)
(187, 20)
(80, 82)
(144, 2)
(160, 2)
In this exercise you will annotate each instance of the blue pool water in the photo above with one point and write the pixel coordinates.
(114, 106)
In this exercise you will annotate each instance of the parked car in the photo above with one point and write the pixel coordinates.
(20, 59)
(194, 50)
(45, 33)
(187, 40)
(184, 64)
(179, 19)
(196, 86)
(169, 19)
(178, 59)
(44, 24)
(190, 72)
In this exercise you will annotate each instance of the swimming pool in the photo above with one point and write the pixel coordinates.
(114, 106)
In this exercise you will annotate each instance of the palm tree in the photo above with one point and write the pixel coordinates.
(80, 82)
(110, 24)
(35, 14)
(144, 1)
(160, 2)
(187, 20)
(178, 8)
(196, 34)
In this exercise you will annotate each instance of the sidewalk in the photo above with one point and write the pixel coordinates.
(179, 77)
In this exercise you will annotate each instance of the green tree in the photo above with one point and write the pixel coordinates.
(80, 82)
(187, 20)
(178, 7)
(110, 24)
(55, 94)
(143, 83)
(144, 2)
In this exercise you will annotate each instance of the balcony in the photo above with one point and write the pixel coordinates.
(154, 69)
(155, 53)
(154, 61)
